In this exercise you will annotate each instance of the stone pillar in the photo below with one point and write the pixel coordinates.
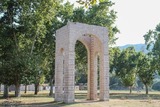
(93, 73)
(104, 76)
(59, 69)
(88, 78)
(69, 78)
(96, 74)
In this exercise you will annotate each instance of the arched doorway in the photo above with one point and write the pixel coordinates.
(81, 71)
(95, 38)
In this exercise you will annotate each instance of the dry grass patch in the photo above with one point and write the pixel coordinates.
(28, 98)
(117, 99)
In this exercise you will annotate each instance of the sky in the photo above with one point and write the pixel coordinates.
(134, 19)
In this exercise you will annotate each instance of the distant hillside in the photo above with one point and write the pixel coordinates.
(138, 47)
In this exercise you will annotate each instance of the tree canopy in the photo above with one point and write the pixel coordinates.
(145, 69)
(152, 40)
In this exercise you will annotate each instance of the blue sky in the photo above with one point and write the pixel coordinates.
(135, 18)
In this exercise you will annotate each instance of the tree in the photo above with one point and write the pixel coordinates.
(145, 69)
(11, 62)
(63, 14)
(152, 40)
(125, 68)
(101, 15)
(23, 27)
(114, 53)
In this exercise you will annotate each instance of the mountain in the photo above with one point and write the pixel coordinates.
(138, 47)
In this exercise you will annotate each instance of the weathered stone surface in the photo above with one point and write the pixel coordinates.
(95, 39)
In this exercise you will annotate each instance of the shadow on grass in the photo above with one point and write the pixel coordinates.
(123, 96)
(27, 95)
(47, 104)
(134, 96)
(80, 98)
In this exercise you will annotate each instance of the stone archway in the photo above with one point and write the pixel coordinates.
(95, 39)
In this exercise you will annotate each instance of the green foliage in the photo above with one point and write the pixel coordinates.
(24, 25)
(11, 55)
(145, 69)
(114, 53)
(88, 3)
(129, 79)
(81, 63)
(115, 83)
(152, 39)
(101, 15)
(124, 65)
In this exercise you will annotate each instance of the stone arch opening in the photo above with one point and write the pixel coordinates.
(81, 69)
(95, 38)
(93, 46)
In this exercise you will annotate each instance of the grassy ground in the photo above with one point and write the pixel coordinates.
(117, 99)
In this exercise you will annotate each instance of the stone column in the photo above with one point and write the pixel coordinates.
(88, 77)
(69, 77)
(59, 77)
(96, 74)
(104, 76)
(93, 73)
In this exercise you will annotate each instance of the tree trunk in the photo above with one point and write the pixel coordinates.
(130, 89)
(25, 90)
(17, 90)
(36, 88)
(6, 90)
(51, 87)
(52, 79)
(146, 89)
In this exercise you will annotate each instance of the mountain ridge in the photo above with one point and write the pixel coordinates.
(138, 47)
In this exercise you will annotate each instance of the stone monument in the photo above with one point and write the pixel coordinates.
(95, 39)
